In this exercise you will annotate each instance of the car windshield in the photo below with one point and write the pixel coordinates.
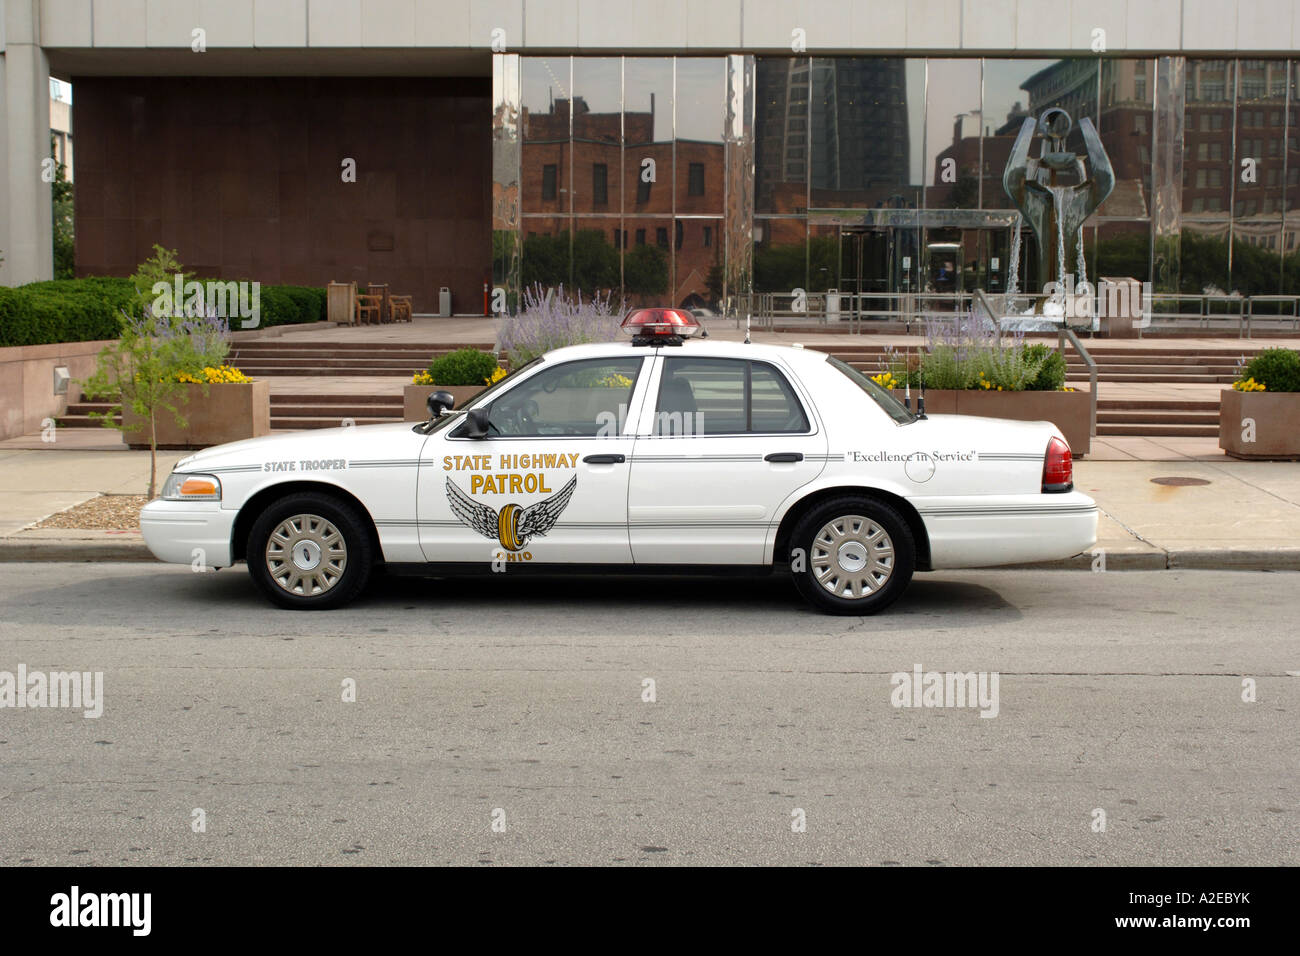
(433, 425)
(892, 406)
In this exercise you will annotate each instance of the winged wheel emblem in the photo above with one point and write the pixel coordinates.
(512, 526)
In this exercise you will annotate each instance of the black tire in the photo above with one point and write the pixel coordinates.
(878, 590)
(343, 583)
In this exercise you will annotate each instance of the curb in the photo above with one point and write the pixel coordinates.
(17, 549)
(1209, 559)
(13, 550)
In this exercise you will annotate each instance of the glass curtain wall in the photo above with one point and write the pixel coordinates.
(686, 180)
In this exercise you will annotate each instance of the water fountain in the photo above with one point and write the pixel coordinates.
(1054, 207)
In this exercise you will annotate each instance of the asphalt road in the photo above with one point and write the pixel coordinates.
(522, 701)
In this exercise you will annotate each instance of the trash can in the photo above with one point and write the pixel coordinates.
(832, 305)
(444, 302)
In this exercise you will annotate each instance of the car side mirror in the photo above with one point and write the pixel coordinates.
(439, 402)
(476, 423)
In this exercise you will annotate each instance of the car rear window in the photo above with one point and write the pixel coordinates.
(881, 396)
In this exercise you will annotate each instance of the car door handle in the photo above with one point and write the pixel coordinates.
(604, 459)
(784, 456)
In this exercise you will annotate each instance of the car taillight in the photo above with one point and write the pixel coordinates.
(1058, 467)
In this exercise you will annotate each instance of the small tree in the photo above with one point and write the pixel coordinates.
(62, 214)
(139, 370)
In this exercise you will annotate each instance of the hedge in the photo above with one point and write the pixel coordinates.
(84, 310)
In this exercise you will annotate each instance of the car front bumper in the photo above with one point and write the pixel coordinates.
(188, 532)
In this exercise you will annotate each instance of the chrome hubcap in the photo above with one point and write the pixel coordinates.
(306, 555)
(852, 556)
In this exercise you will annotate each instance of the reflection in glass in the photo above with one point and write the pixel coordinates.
(1006, 105)
(953, 125)
(780, 255)
(781, 134)
(597, 135)
(506, 157)
(1167, 173)
(1119, 250)
(1203, 258)
(697, 247)
(1207, 139)
(647, 261)
(866, 132)
(700, 119)
(1259, 176)
(1125, 127)
(648, 135)
(738, 242)
(544, 129)
(596, 248)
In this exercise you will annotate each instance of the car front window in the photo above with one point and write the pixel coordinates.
(586, 398)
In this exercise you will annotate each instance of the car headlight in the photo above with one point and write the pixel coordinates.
(192, 488)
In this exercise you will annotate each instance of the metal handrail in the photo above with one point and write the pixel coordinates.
(1063, 332)
(1068, 333)
(912, 308)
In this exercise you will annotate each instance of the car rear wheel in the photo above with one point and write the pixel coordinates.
(310, 552)
(852, 555)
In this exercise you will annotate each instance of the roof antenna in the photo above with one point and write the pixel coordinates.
(907, 382)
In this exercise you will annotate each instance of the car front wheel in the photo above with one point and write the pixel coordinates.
(852, 555)
(310, 552)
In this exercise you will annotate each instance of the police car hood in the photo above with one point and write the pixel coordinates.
(361, 441)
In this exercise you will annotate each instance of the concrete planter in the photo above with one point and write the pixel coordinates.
(214, 415)
(415, 398)
(1071, 412)
(1271, 418)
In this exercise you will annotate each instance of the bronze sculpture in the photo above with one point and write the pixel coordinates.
(1055, 210)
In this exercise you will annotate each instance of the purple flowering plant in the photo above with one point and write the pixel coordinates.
(550, 319)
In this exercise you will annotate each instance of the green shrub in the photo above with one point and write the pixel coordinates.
(1050, 364)
(1277, 369)
(463, 367)
(89, 309)
(64, 310)
(1033, 367)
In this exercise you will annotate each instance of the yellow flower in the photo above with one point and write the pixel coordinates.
(423, 378)
(497, 375)
(214, 375)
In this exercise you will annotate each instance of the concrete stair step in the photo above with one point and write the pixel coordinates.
(329, 362)
(392, 410)
(1153, 417)
(299, 422)
(1153, 404)
(1159, 431)
(1156, 379)
(261, 371)
(81, 421)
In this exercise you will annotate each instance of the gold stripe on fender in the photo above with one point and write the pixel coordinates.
(508, 527)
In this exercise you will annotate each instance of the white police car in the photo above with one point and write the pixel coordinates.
(658, 454)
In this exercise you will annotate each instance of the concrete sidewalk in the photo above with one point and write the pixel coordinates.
(1246, 516)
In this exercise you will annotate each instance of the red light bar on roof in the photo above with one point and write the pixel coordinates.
(651, 324)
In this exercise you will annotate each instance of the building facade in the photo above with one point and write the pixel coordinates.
(653, 151)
